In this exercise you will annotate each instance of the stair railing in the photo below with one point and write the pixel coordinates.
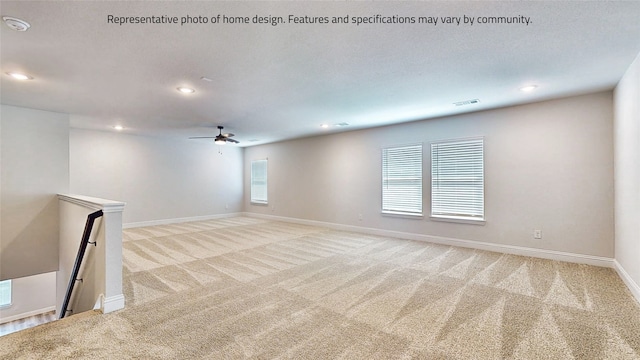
(91, 218)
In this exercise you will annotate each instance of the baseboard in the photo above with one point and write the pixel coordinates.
(27, 314)
(631, 284)
(507, 249)
(178, 220)
(113, 303)
(110, 304)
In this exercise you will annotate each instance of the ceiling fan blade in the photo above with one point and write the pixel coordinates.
(219, 138)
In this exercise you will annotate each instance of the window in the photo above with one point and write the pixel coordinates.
(5, 293)
(457, 179)
(259, 181)
(402, 180)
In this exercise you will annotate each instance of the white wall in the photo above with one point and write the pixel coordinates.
(158, 178)
(627, 174)
(35, 167)
(548, 166)
(31, 295)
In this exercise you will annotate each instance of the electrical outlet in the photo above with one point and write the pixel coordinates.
(360, 217)
(537, 234)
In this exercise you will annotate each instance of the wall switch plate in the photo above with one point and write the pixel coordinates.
(537, 234)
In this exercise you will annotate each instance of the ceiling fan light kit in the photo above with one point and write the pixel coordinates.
(220, 139)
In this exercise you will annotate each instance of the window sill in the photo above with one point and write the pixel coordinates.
(458, 220)
(402, 215)
(260, 203)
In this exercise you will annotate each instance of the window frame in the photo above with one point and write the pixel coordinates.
(255, 200)
(385, 179)
(6, 305)
(467, 218)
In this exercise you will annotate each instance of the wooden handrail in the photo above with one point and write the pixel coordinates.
(91, 218)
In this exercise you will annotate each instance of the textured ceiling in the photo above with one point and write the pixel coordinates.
(278, 82)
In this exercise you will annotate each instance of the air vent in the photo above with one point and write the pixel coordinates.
(466, 102)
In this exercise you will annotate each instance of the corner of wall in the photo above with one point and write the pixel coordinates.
(626, 278)
(627, 177)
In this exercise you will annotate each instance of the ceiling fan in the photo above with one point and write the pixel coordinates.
(220, 139)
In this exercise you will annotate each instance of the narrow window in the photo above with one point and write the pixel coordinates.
(5, 293)
(402, 180)
(457, 179)
(259, 181)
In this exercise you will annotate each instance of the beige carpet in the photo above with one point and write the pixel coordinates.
(247, 288)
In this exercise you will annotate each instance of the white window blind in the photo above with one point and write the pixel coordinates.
(259, 181)
(457, 179)
(5, 293)
(402, 180)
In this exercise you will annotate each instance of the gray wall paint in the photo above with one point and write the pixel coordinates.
(158, 178)
(35, 167)
(548, 166)
(627, 171)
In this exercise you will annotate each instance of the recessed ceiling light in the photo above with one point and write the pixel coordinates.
(324, 126)
(528, 88)
(19, 76)
(15, 23)
(119, 127)
(342, 124)
(186, 90)
(204, 78)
